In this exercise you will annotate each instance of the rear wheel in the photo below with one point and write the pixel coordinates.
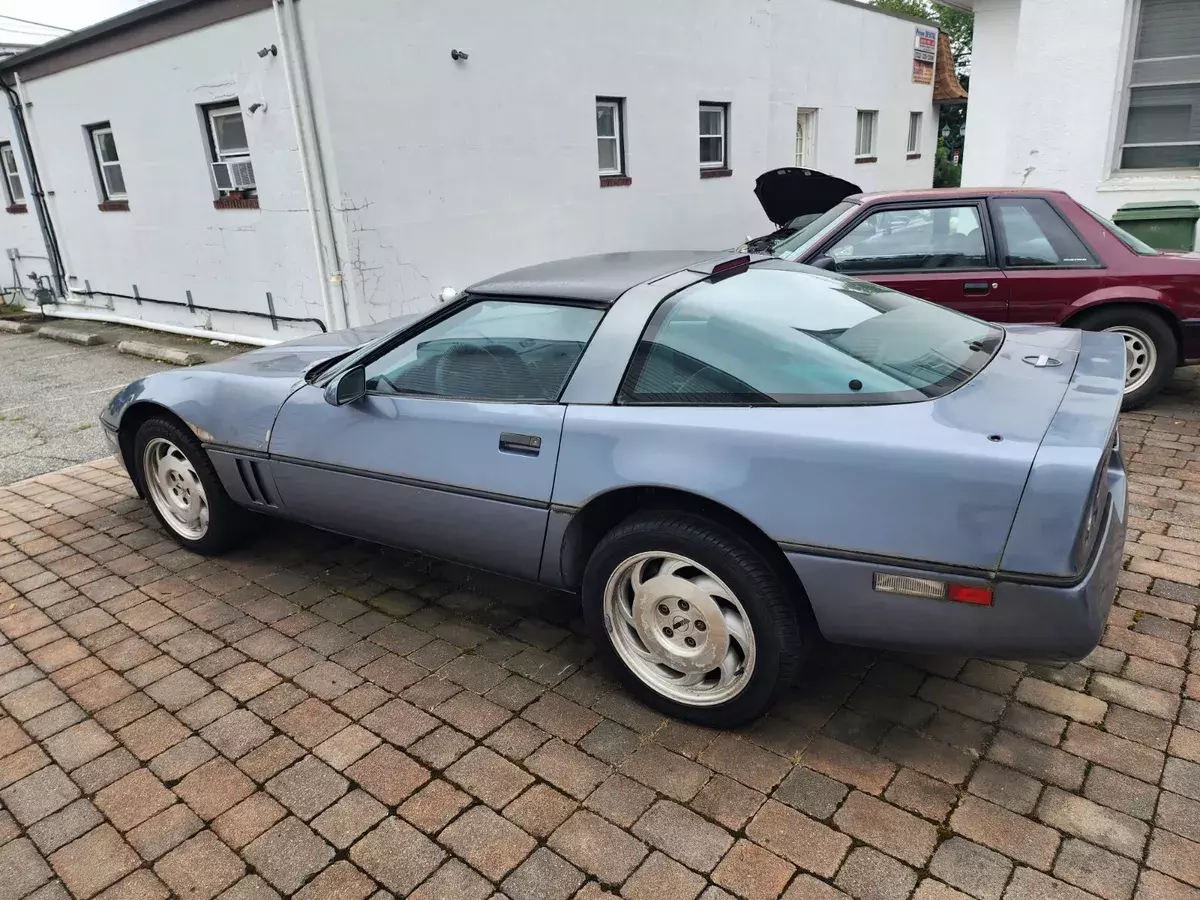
(1151, 350)
(697, 623)
(183, 489)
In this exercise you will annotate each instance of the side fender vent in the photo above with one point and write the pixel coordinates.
(254, 483)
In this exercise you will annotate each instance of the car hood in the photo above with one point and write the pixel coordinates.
(291, 358)
(790, 192)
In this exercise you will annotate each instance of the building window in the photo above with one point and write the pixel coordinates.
(914, 133)
(1162, 126)
(13, 191)
(806, 138)
(610, 137)
(108, 164)
(864, 142)
(233, 174)
(714, 135)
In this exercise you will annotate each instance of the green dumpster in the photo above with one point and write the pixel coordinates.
(1163, 224)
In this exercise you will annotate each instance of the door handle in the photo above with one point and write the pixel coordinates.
(524, 444)
(976, 287)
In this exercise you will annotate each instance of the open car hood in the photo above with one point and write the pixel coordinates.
(790, 192)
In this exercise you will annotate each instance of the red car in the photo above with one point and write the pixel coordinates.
(1009, 255)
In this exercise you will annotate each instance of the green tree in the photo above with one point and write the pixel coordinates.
(958, 25)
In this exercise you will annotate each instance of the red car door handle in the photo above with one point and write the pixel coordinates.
(976, 287)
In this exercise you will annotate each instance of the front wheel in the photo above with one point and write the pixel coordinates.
(697, 623)
(1151, 350)
(183, 489)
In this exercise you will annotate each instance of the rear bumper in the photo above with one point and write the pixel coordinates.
(1044, 622)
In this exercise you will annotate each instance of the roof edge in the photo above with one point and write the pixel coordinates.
(126, 31)
(862, 4)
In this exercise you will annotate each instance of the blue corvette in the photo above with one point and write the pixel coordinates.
(727, 457)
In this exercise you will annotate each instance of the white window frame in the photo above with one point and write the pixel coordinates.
(806, 137)
(916, 122)
(102, 166)
(723, 134)
(11, 174)
(872, 116)
(1126, 99)
(616, 104)
(211, 114)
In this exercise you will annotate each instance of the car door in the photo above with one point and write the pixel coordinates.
(941, 252)
(1046, 262)
(452, 450)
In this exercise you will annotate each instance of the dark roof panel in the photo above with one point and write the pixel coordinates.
(598, 279)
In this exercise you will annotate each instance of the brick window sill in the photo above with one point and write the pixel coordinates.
(17, 208)
(913, 156)
(113, 206)
(615, 180)
(865, 159)
(716, 173)
(236, 203)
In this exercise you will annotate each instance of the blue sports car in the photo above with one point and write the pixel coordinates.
(727, 456)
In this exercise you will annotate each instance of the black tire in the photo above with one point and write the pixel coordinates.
(228, 523)
(783, 633)
(1153, 326)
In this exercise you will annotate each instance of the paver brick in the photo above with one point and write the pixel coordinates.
(732, 804)
(489, 776)
(1120, 792)
(547, 876)
(921, 794)
(1114, 752)
(561, 717)
(884, 826)
(388, 774)
(1144, 729)
(1028, 884)
(270, 758)
(399, 723)
(683, 835)
(742, 761)
(1176, 856)
(342, 881)
(490, 843)
(1179, 814)
(213, 788)
(38, 795)
(1095, 870)
(307, 787)
(64, 826)
(1061, 701)
(1042, 762)
(164, 831)
(237, 733)
(577, 774)
(997, 828)
(434, 806)
(1098, 824)
(288, 854)
(870, 875)
(597, 847)
(133, 799)
(516, 739)
(350, 817)
(541, 809)
(978, 871)
(22, 868)
(848, 764)
(810, 845)
(91, 863)
(1156, 886)
(243, 823)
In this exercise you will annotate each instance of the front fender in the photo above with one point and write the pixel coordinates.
(223, 408)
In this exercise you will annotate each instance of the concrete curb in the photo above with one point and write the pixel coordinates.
(86, 338)
(172, 355)
(16, 327)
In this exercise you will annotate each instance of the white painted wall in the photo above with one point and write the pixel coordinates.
(1047, 85)
(449, 172)
(172, 239)
(443, 173)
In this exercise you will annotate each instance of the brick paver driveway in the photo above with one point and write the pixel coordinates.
(320, 718)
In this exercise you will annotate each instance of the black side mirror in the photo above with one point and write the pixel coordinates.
(828, 263)
(348, 387)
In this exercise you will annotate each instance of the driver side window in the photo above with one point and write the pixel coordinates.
(503, 350)
(907, 240)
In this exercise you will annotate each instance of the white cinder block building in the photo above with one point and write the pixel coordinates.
(1100, 98)
(350, 159)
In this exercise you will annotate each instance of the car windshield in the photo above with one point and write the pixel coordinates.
(779, 334)
(795, 246)
(1137, 245)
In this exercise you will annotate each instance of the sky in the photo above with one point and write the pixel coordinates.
(70, 14)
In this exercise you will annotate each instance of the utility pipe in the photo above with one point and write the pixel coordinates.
(310, 199)
(96, 316)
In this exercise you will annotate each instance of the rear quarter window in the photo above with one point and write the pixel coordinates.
(780, 335)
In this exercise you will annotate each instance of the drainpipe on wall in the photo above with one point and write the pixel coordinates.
(36, 195)
(313, 172)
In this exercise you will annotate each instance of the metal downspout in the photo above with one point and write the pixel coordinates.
(36, 194)
(285, 51)
(310, 125)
